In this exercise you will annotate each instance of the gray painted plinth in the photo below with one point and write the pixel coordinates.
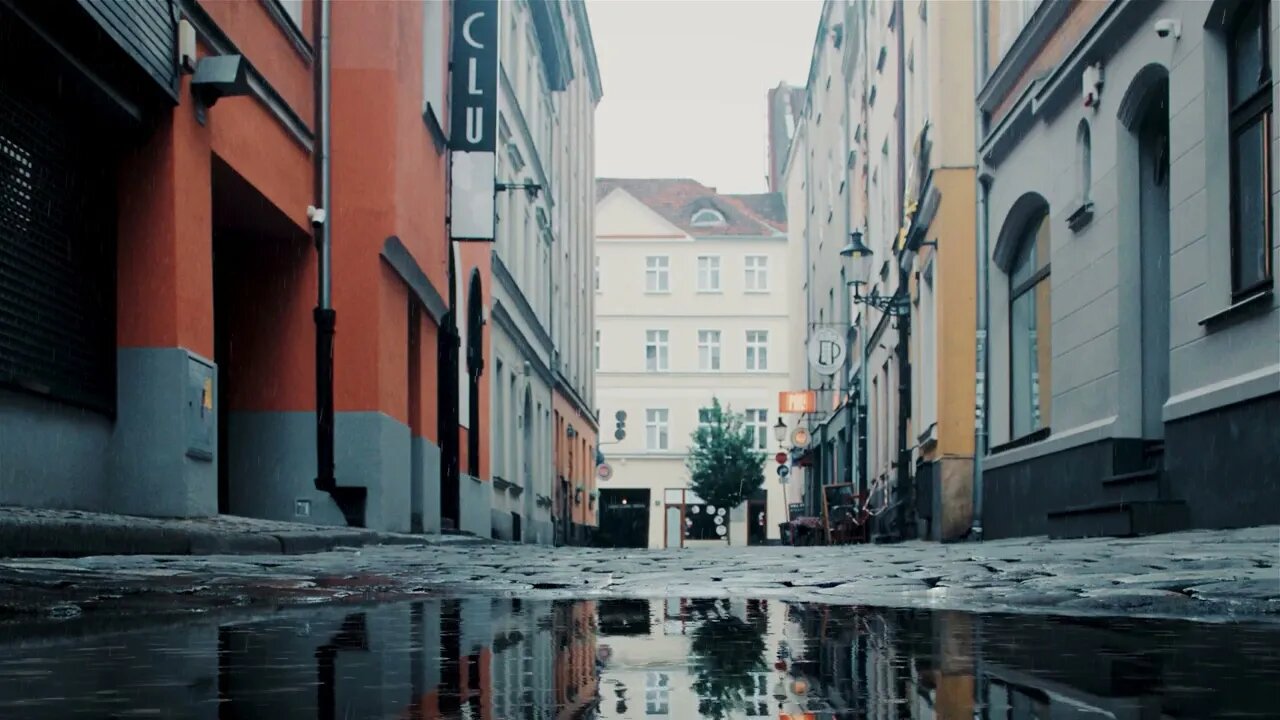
(272, 456)
(151, 473)
(51, 455)
(475, 498)
(425, 479)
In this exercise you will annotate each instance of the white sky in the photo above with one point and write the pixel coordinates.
(686, 81)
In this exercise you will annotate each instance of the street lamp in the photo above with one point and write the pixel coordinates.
(780, 431)
(857, 258)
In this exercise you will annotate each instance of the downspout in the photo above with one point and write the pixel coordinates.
(864, 336)
(981, 318)
(324, 314)
(846, 305)
(904, 321)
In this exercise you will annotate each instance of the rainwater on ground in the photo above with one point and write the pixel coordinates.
(508, 659)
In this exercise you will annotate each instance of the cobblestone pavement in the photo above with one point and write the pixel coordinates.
(1209, 575)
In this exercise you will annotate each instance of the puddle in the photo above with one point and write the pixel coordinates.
(508, 659)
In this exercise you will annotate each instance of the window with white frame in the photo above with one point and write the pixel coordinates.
(657, 693)
(655, 428)
(655, 350)
(657, 274)
(757, 421)
(704, 417)
(434, 63)
(1249, 86)
(708, 349)
(597, 274)
(757, 349)
(707, 217)
(757, 270)
(708, 273)
(597, 349)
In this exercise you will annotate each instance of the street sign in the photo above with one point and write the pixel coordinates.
(780, 458)
(826, 351)
(783, 471)
(619, 434)
(474, 120)
(620, 416)
(604, 471)
(800, 437)
(797, 401)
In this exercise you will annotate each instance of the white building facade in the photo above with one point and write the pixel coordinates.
(549, 90)
(692, 304)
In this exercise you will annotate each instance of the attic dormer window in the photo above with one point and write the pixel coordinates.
(707, 217)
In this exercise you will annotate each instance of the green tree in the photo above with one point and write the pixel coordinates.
(725, 468)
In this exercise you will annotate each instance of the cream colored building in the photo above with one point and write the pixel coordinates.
(692, 304)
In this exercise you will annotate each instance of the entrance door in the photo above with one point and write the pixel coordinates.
(757, 522)
(1153, 164)
(675, 526)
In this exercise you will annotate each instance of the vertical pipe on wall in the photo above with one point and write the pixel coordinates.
(905, 488)
(980, 237)
(325, 317)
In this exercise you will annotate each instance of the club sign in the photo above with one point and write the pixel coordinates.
(473, 119)
(826, 351)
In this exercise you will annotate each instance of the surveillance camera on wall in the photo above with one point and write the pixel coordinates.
(1168, 26)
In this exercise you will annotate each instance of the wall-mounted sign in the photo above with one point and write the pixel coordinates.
(826, 351)
(604, 471)
(797, 401)
(800, 438)
(473, 119)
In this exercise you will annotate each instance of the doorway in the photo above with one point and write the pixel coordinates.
(624, 518)
(675, 526)
(1153, 196)
(758, 518)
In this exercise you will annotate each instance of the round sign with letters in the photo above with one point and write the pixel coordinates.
(826, 351)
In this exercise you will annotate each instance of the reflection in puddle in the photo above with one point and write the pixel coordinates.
(506, 659)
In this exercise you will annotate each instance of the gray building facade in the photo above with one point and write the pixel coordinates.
(1133, 349)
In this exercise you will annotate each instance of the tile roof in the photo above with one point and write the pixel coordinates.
(677, 199)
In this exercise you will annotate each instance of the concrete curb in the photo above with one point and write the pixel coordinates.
(78, 536)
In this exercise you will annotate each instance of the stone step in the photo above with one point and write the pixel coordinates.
(1118, 519)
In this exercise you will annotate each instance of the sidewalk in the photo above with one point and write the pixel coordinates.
(27, 532)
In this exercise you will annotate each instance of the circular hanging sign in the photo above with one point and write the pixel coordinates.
(780, 458)
(826, 351)
(783, 471)
(604, 471)
(800, 438)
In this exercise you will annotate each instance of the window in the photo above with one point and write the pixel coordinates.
(708, 273)
(1250, 122)
(657, 693)
(435, 46)
(293, 10)
(757, 349)
(708, 349)
(657, 274)
(704, 418)
(757, 269)
(655, 350)
(655, 428)
(1029, 331)
(758, 424)
(597, 349)
(597, 274)
(1085, 162)
(707, 217)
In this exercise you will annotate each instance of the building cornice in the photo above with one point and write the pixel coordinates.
(553, 38)
(403, 263)
(570, 393)
(508, 324)
(1031, 39)
(535, 156)
(508, 283)
(588, 49)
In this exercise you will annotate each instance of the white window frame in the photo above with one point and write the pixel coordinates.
(704, 423)
(435, 41)
(709, 350)
(657, 429)
(709, 274)
(757, 419)
(657, 274)
(708, 217)
(757, 351)
(659, 342)
(756, 273)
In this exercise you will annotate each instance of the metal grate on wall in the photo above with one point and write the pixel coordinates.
(57, 253)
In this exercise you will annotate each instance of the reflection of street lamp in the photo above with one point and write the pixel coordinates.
(780, 431)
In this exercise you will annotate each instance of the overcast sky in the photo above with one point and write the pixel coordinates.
(685, 84)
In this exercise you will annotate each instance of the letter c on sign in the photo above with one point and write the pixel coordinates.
(466, 30)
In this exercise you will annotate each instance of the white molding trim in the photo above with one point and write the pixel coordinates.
(1237, 389)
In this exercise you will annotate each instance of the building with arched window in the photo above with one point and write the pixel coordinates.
(1133, 329)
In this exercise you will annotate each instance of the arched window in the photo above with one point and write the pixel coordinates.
(1084, 161)
(475, 368)
(1249, 93)
(1030, 330)
(707, 217)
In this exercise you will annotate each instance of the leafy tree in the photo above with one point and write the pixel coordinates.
(725, 468)
(727, 654)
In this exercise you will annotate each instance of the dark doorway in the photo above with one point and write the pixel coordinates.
(758, 518)
(1153, 194)
(261, 301)
(624, 518)
(447, 406)
(414, 382)
(624, 618)
(475, 369)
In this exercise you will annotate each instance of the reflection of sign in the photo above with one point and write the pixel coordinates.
(473, 123)
(797, 401)
(604, 471)
(826, 351)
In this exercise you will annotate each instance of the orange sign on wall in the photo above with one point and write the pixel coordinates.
(797, 401)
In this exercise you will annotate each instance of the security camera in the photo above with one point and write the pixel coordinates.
(1168, 26)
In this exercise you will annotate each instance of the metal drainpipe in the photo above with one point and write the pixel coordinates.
(981, 319)
(325, 317)
(847, 304)
(904, 322)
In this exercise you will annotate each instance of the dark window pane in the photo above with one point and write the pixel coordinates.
(1249, 201)
(1246, 53)
(1025, 264)
(1022, 363)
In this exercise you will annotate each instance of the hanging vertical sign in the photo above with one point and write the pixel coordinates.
(473, 119)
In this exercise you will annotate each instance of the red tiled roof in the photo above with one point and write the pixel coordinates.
(677, 199)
